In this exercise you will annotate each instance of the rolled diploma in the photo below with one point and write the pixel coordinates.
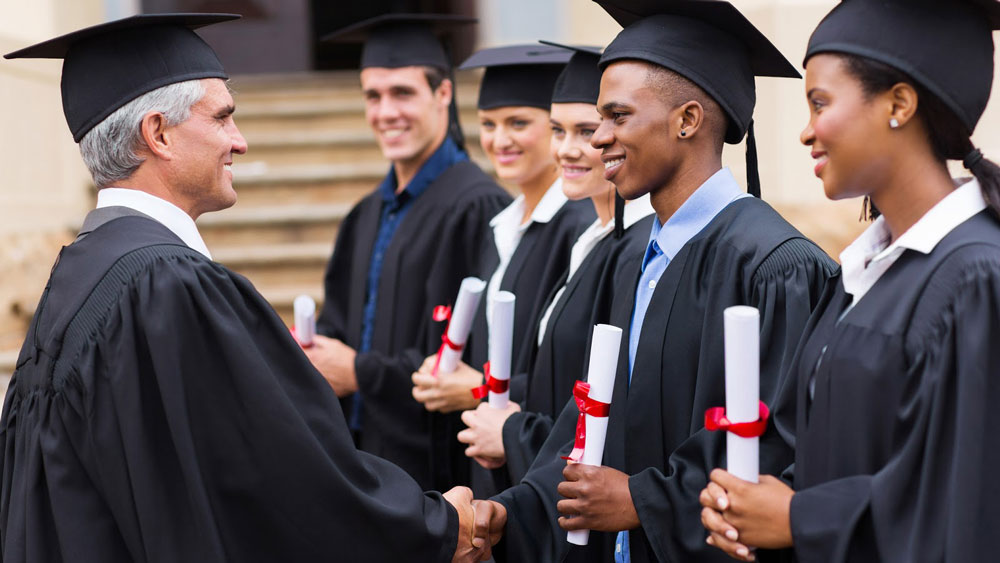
(462, 314)
(742, 334)
(305, 320)
(601, 376)
(501, 336)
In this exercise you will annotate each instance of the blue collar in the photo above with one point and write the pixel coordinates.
(446, 156)
(693, 215)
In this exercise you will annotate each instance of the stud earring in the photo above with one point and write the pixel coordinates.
(683, 133)
(893, 123)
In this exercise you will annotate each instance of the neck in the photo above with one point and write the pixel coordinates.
(535, 189)
(406, 169)
(604, 205)
(671, 196)
(146, 180)
(915, 187)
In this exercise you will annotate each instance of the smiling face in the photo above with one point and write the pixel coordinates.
(848, 130)
(409, 119)
(516, 140)
(580, 163)
(637, 132)
(204, 145)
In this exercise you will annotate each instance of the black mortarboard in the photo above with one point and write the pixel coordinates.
(580, 79)
(518, 75)
(398, 40)
(946, 47)
(108, 65)
(708, 42)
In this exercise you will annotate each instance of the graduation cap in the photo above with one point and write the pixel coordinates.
(580, 79)
(518, 75)
(945, 46)
(108, 65)
(399, 40)
(708, 42)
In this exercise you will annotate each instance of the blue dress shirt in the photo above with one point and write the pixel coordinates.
(394, 208)
(665, 241)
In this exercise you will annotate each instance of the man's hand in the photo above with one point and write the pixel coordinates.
(335, 361)
(448, 392)
(485, 433)
(473, 544)
(491, 518)
(597, 499)
(740, 515)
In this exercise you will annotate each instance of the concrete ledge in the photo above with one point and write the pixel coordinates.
(274, 254)
(276, 215)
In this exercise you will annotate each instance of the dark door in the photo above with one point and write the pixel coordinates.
(283, 35)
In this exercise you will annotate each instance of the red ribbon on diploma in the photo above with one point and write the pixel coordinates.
(715, 419)
(443, 313)
(492, 384)
(593, 407)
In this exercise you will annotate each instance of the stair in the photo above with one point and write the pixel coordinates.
(312, 156)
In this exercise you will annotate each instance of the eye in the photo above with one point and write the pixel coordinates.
(618, 116)
(488, 125)
(520, 123)
(587, 133)
(816, 104)
(558, 131)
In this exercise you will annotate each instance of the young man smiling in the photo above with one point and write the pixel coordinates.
(677, 83)
(403, 249)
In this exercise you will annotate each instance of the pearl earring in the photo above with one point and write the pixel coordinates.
(893, 123)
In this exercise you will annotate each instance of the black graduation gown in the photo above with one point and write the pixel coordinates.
(747, 255)
(895, 454)
(538, 265)
(166, 414)
(438, 243)
(563, 355)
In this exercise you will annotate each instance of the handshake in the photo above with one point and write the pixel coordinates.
(480, 525)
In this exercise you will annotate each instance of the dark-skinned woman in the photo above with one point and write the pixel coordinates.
(889, 400)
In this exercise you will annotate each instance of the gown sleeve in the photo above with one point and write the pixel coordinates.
(210, 418)
(785, 288)
(936, 497)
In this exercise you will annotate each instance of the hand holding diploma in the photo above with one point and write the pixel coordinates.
(445, 392)
(497, 370)
(484, 434)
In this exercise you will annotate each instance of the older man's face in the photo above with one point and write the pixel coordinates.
(204, 147)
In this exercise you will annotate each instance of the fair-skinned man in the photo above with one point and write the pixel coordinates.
(160, 410)
(404, 249)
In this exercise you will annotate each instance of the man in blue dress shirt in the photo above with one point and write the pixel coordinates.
(404, 248)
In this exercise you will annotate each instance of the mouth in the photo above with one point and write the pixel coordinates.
(507, 157)
(572, 172)
(821, 160)
(392, 134)
(611, 165)
(228, 167)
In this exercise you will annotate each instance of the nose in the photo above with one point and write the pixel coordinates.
(387, 109)
(568, 149)
(240, 145)
(603, 136)
(808, 136)
(502, 138)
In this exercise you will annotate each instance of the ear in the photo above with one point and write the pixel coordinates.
(444, 92)
(153, 129)
(689, 117)
(902, 102)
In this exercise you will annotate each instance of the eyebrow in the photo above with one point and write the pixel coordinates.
(814, 90)
(613, 106)
(226, 111)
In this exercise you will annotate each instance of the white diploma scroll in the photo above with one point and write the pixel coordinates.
(742, 334)
(501, 338)
(462, 314)
(601, 377)
(305, 320)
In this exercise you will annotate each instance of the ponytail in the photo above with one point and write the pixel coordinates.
(987, 173)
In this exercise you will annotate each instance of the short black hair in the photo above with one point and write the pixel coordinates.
(677, 90)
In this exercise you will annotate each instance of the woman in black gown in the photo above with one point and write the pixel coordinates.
(888, 401)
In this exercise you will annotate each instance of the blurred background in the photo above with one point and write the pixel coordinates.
(311, 154)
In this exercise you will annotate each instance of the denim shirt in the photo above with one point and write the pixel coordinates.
(394, 208)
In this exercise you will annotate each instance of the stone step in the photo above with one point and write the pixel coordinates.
(271, 266)
(274, 224)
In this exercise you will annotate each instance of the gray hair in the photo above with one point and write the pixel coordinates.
(110, 149)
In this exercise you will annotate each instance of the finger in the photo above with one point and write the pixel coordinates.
(725, 479)
(469, 418)
(568, 489)
(733, 549)
(574, 523)
(569, 507)
(718, 496)
(422, 395)
(428, 364)
(424, 380)
(574, 471)
(467, 436)
(715, 523)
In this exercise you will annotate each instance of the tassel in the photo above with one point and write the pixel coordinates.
(753, 177)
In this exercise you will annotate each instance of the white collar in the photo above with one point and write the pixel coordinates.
(547, 207)
(871, 254)
(636, 210)
(171, 216)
